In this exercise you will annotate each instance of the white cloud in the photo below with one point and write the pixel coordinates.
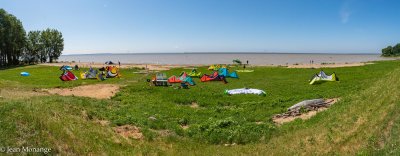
(345, 13)
(345, 16)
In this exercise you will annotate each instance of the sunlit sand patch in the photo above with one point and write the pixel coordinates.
(98, 91)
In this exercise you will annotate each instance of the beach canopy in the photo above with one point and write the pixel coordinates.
(224, 72)
(245, 91)
(323, 77)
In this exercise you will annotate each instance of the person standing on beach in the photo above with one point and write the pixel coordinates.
(119, 64)
(247, 62)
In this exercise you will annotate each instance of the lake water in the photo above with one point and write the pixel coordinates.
(218, 58)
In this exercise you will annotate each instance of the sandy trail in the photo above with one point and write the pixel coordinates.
(98, 91)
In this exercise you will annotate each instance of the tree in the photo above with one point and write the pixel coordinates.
(396, 50)
(12, 39)
(387, 51)
(36, 46)
(33, 47)
(53, 44)
(391, 51)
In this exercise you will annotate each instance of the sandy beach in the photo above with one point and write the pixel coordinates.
(158, 67)
(336, 65)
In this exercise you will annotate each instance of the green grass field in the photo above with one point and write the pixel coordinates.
(365, 121)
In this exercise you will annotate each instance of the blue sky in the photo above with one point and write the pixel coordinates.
(104, 26)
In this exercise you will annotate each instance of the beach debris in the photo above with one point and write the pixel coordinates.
(306, 103)
(233, 144)
(304, 110)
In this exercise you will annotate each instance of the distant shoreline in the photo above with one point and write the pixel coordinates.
(161, 53)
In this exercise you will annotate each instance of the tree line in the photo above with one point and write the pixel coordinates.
(17, 46)
(391, 51)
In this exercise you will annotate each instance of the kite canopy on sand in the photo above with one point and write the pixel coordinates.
(237, 61)
(109, 62)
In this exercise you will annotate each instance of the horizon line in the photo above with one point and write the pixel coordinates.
(134, 53)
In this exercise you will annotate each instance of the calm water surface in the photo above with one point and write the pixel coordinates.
(207, 58)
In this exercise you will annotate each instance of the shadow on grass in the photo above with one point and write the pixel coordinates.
(15, 66)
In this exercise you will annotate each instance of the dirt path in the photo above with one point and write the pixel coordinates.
(98, 91)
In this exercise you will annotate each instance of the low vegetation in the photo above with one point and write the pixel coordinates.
(203, 119)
